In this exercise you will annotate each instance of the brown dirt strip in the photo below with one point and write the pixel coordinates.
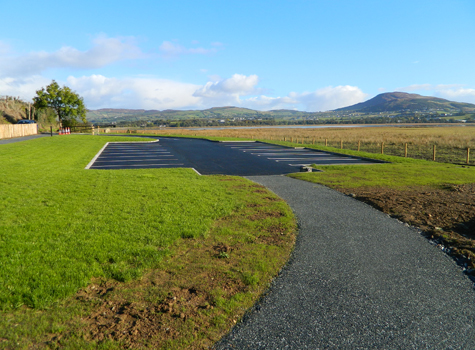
(445, 215)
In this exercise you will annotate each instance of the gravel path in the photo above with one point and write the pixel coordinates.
(357, 280)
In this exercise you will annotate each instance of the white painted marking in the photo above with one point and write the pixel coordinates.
(141, 156)
(244, 141)
(140, 165)
(96, 156)
(304, 158)
(277, 150)
(291, 154)
(135, 151)
(134, 161)
(238, 147)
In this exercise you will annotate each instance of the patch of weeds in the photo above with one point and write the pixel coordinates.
(223, 255)
(250, 279)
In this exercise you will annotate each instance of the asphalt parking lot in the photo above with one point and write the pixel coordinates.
(212, 158)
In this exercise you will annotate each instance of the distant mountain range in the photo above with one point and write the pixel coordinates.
(110, 114)
(399, 101)
(393, 102)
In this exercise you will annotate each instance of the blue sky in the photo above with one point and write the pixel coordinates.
(306, 55)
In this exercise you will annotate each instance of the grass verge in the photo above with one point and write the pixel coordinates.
(159, 258)
(400, 172)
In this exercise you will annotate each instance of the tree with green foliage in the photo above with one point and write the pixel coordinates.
(67, 104)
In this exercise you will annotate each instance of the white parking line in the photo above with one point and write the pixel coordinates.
(142, 156)
(239, 147)
(309, 158)
(134, 161)
(279, 151)
(134, 150)
(291, 154)
(138, 165)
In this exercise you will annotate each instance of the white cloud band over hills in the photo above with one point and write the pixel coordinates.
(22, 74)
(239, 90)
(453, 92)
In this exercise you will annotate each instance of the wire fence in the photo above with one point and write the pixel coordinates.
(440, 152)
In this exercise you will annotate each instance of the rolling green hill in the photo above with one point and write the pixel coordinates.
(394, 102)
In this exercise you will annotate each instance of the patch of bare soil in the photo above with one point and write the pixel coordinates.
(445, 215)
(188, 302)
(163, 307)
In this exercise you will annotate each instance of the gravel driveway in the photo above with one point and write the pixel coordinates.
(358, 279)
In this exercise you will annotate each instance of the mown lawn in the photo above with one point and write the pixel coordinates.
(400, 172)
(63, 227)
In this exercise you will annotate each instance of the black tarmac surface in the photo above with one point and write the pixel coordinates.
(24, 138)
(357, 279)
(210, 158)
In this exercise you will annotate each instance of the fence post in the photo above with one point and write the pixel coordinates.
(359, 142)
(433, 153)
(51, 130)
(326, 142)
(313, 141)
(468, 155)
(341, 144)
(405, 150)
(382, 147)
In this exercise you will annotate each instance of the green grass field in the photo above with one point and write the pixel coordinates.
(63, 227)
(61, 224)
(400, 172)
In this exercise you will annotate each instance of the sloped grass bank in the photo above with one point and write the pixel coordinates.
(64, 228)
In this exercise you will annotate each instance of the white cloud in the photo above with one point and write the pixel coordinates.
(331, 97)
(228, 91)
(104, 51)
(100, 91)
(268, 103)
(25, 88)
(453, 92)
(238, 84)
(324, 99)
(458, 95)
(147, 93)
(170, 50)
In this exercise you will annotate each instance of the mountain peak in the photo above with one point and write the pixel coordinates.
(397, 101)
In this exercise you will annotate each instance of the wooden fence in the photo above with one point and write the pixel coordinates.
(8, 131)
